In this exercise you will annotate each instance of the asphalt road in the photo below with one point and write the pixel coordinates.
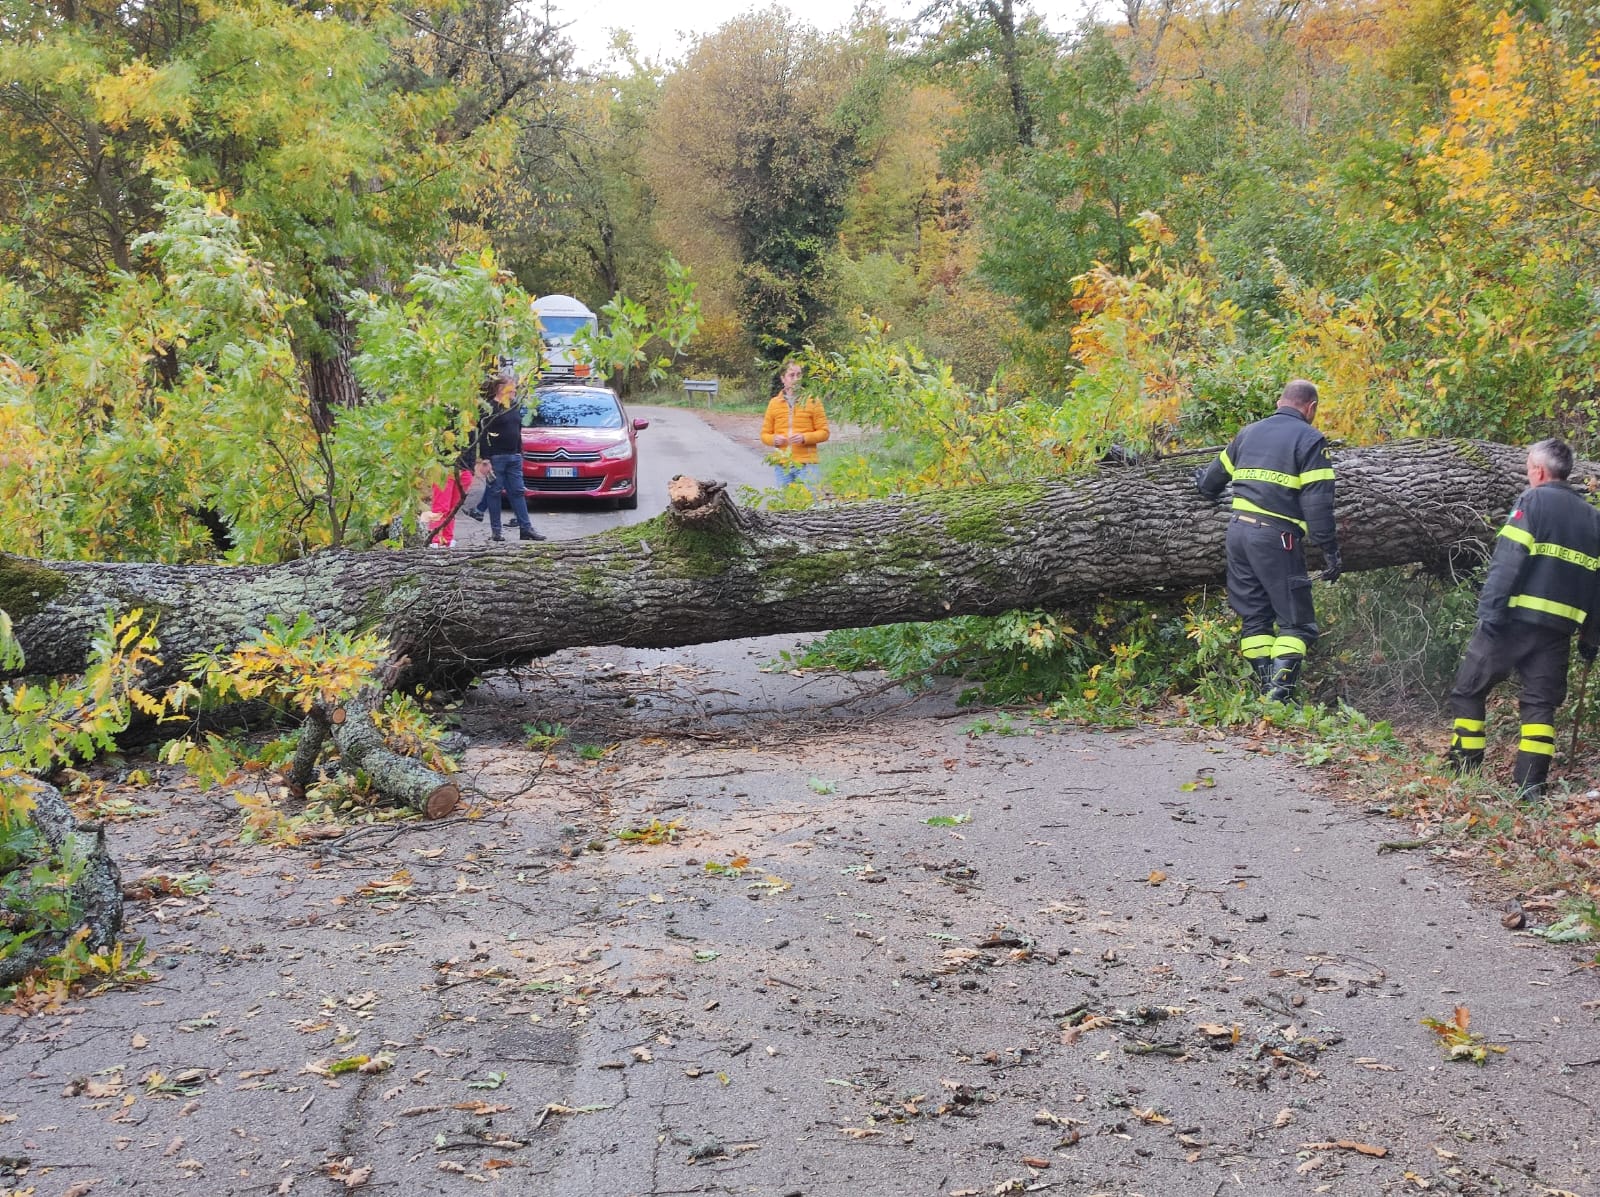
(746, 932)
(677, 442)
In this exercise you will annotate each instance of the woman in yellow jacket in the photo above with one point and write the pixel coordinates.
(794, 426)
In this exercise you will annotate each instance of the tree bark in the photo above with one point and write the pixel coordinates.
(330, 378)
(706, 571)
(1000, 12)
(96, 895)
(401, 778)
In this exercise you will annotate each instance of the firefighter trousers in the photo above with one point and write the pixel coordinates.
(1270, 590)
(1538, 656)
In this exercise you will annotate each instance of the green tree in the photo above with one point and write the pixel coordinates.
(348, 140)
(585, 227)
(997, 56)
(179, 398)
(1054, 209)
(630, 341)
(759, 134)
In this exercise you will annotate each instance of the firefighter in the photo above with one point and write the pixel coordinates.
(1542, 586)
(1282, 493)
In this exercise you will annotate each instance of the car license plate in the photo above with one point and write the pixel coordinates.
(561, 471)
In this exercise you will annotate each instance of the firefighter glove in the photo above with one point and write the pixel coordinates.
(1588, 652)
(1198, 479)
(1332, 564)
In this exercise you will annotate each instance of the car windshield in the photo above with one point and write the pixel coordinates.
(561, 328)
(586, 409)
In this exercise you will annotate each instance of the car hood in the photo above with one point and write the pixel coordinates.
(572, 438)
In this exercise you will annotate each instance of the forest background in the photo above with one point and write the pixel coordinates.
(251, 247)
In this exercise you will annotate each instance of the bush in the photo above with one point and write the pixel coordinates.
(1392, 639)
(1391, 643)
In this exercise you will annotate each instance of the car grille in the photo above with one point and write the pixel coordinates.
(562, 455)
(575, 485)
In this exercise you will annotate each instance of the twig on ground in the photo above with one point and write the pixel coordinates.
(1403, 845)
(395, 830)
(1274, 1008)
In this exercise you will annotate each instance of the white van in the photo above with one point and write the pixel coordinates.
(560, 319)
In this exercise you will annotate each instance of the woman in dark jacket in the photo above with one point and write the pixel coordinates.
(499, 442)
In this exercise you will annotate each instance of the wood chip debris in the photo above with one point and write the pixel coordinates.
(1347, 1145)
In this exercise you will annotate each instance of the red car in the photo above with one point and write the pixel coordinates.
(578, 443)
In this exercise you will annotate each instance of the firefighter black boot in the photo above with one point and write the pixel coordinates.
(1285, 676)
(1263, 671)
(1529, 774)
(1534, 754)
(1466, 746)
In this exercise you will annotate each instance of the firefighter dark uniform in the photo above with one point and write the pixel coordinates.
(1282, 494)
(1543, 585)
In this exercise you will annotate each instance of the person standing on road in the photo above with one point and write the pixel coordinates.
(795, 425)
(1282, 493)
(500, 444)
(1542, 586)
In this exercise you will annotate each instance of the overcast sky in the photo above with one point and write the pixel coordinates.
(659, 27)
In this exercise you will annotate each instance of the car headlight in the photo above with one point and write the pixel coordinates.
(618, 452)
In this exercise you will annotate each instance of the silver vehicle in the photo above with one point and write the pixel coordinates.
(561, 318)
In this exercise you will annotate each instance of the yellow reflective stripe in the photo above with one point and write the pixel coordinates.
(1272, 476)
(1311, 476)
(1549, 606)
(1561, 552)
(1246, 505)
(1461, 741)
(1519, 535)
(1227, 462)
(1255, 646)
(1538, 738)
(1471, 724)
(1288, 646)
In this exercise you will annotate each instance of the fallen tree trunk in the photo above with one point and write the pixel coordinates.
(707, 571)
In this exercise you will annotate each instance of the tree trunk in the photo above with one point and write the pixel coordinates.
(1000, 12)
(707, 571)
(330, 378)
